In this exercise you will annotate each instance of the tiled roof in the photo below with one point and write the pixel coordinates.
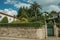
(8, 15)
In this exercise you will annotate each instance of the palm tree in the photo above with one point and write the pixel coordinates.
(35, 9)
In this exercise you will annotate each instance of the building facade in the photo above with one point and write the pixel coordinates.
(10, 18)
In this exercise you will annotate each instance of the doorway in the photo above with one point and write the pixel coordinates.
(50, 30)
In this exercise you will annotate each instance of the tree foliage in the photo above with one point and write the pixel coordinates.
(35, 10)
(22, 12)
(4, 20)
(32, 14)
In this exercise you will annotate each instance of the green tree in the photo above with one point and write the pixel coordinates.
(45, 16)
(32, 14)
(35, 10)
(4, 20)
(53, 13)
(22, 12)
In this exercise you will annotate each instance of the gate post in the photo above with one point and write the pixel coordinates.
(45, 29)
(55, 29)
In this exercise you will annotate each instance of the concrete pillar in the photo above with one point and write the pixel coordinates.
(58, 32)
(45, 30)
(55, 29)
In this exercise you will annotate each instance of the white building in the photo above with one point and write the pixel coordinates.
(10, 18)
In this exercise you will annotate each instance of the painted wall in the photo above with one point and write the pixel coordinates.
(10, 19)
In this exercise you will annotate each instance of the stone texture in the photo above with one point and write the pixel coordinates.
(22, 32)
(41, 33)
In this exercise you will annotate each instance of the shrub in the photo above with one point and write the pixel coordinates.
(4, 20)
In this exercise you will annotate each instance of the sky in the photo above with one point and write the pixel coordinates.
(11, 6)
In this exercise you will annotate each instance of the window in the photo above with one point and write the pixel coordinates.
(0, 16)
(10, 18)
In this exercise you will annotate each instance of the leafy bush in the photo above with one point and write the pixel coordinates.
(24, 20)
(22, 25)
(4, 20)
(58, 25)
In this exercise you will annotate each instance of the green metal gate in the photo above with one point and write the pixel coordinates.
(50, 30)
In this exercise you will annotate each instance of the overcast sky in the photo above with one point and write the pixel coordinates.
(11, 6)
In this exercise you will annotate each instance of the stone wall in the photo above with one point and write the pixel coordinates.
(22, 32)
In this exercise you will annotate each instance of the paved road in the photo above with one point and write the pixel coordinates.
(52, 38)
(7, 38)
(15, 39)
